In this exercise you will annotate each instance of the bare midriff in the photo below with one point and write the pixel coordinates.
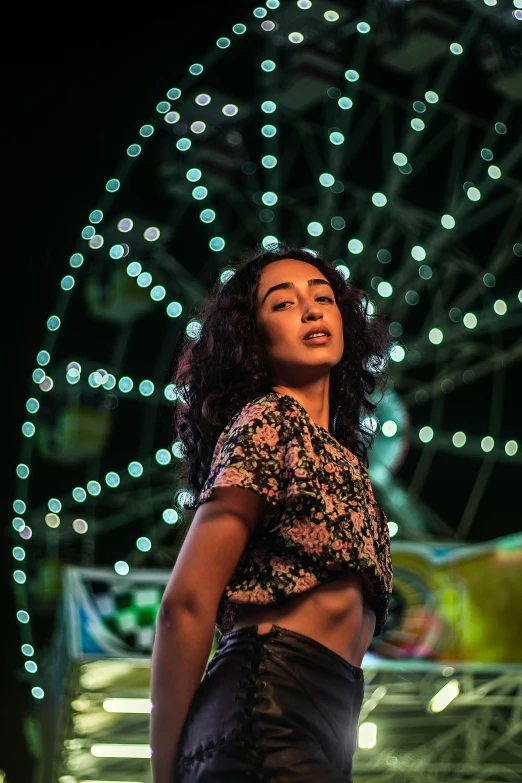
(336, 614)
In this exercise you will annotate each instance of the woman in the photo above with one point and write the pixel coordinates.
(288, 550)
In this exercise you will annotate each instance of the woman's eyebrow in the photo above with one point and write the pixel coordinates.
(315, 281)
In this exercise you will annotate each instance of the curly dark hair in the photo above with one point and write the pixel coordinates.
(226, 367)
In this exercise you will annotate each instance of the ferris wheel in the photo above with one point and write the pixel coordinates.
(347, 129)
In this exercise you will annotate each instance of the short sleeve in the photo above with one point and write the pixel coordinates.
(250, 453)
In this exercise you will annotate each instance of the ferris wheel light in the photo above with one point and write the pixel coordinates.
(345, 103)
(459, 439)
(93, 488)
(163, 456)
(193, 175)
(326, 179)
(337, 138)
(331, 16)
(487, 444)
(269, 198)
(52, 520)
(511, 448)
(426, 434)
(80, 526)
(121, 568)
(79, 494)
(144, 544)
(500, 307)
(170, 516)
(393, 528)
(28, 429)
(135, 469)
(314, 228)
(400, 159)
(343, 270)
(455, 314)
(379, 199)
(269, 161)
(494, 172)
(470, 320)
(355, 246)
(151, 234)
(200, 192)
(269, 131)
(397, 353)
(474, 194)
(389, 428)
(411, 297)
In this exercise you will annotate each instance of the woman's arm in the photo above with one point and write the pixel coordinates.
(182, 646)
(186, 621)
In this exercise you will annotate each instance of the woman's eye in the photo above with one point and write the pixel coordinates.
(288, 302)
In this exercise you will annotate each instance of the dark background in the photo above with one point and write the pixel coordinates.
(76, 86)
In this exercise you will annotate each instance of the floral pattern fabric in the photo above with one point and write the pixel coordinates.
(321, 518)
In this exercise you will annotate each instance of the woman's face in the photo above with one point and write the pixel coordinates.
(286, 315)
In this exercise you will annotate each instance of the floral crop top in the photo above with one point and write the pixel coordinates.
(321, 518)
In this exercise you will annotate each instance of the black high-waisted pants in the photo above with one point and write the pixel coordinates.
(272, 708)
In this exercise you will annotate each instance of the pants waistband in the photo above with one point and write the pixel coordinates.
(277, 630)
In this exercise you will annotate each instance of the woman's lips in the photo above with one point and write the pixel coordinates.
(317, 340)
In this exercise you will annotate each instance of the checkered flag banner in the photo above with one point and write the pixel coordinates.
(109, 615)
